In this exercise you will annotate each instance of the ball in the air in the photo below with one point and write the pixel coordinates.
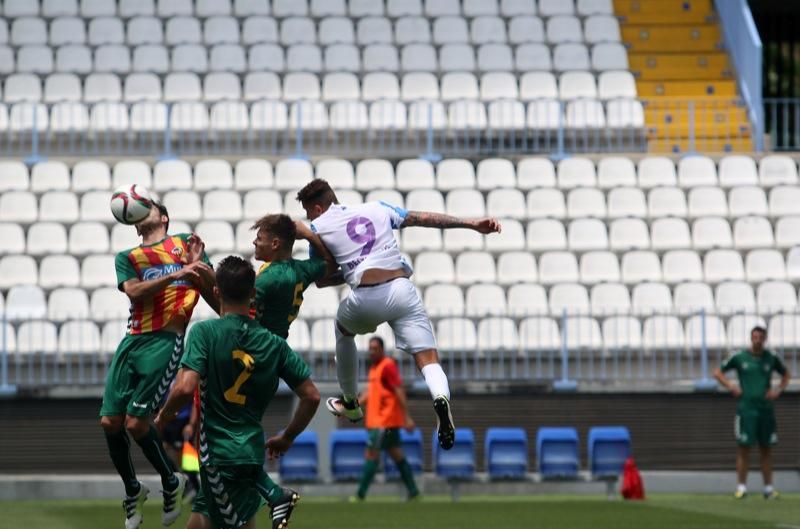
(130, 204)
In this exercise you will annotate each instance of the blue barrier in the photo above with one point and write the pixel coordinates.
(301, 461)
(557, 452)
(609, 447)
(347, 453)
(744, 44)
(506, 452)
(412, 448)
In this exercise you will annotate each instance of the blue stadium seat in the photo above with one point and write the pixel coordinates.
(301, 462)
(557, 452)
(609, 447)
(347, 453)
(412, 447)
(506, 453)
(458, 463)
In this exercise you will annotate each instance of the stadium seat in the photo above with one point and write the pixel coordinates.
(598, 267)
(68, 304)
(98, 270)
(108, 304)
(681, 265)
(558, 267)
(747, 200)
(23, 302)
(571, 298)
(638, 266)
(458, 463)
(485, 300)
(775, 170)
(516, 267)
(662, 332)
(12, 238)
(347, 453)
(610, 298)
(497, 336)
(301, 461)
(411, 443)
(621, 332)
(539, 334)
(557, 452)
(15, 176)
(546, 235)
(739, 327)
(706, 329)
(656, 171)
(88, 237)
(784, 330)
(752, 232)
(696, 171)
(734, 296)
(507, 203)
(37, 337)
(792, 265)
(526, 298)
(691, 297)
(608, 448)
(737, 170)
(45, 238)
(506, 453)
(787, 232)
(444, 300)
(546, 203)
(648, 298)
(456, 335)
(765, 265)
(776, 296)
(587, 234)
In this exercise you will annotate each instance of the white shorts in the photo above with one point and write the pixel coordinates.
(397, 303)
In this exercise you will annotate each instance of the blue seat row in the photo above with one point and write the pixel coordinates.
(506, 454)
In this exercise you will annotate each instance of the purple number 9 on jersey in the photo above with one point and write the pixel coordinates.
(367, 235)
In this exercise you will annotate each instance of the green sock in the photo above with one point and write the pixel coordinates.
(269, 490)
(119, 447)
(370, 467)
(154, 452)
(408, 477)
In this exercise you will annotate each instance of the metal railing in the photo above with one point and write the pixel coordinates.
(744, 44)
(392, 129)
(622, 350)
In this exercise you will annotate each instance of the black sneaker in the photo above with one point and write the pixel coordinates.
(445, 427)
(282, 509)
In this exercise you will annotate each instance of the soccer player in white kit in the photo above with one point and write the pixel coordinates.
(361, 240)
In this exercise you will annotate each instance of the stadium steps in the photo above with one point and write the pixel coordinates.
(664, 11)
(684, 76)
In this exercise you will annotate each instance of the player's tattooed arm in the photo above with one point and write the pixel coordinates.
(428, 219)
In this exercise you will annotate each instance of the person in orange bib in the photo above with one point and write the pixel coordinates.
(387, 412)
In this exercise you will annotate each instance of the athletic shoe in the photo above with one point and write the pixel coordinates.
(342, 408)
(772, 495)
(282, 509)
(355, 499)
(133, 506)
(172, 501)
(740, 494)
(445, 427)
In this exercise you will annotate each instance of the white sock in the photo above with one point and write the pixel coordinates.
(768, 489)
(436, 380)
(741, 487)
(347, 364)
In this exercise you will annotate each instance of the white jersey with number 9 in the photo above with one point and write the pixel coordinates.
(360, 237)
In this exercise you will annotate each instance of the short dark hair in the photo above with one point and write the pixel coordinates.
(235, 279)
(759, 328)
(162, 210)
(376, 338)
(317, 191)
(280, 225)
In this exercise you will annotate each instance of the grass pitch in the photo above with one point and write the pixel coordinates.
(514, 512)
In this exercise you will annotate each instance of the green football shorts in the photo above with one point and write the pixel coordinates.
(231, 496)
(141, 372)
(756, 426)
(383, 438)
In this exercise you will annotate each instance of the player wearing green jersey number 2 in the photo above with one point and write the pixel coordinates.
(237, 365)
(755, 414)
(282, 280)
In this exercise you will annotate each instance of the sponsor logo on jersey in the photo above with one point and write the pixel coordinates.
(158, 271)
(177, 251)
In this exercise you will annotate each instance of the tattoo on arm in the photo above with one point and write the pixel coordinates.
(427, 219)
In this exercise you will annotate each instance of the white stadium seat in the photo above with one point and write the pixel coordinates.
(444, 300)
(558, 267)
(610, 298)
(723, 265)
(735, 296)
(599, 266)
(681, 265)
(525, 299)
(639, 265)
(776, 170)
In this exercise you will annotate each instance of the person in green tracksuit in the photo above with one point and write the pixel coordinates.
(755, 415)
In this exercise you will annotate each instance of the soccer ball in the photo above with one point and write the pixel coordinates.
(130, 204)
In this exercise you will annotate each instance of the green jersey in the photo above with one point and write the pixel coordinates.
(239, 363)
(755, 375)
(279, 291)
